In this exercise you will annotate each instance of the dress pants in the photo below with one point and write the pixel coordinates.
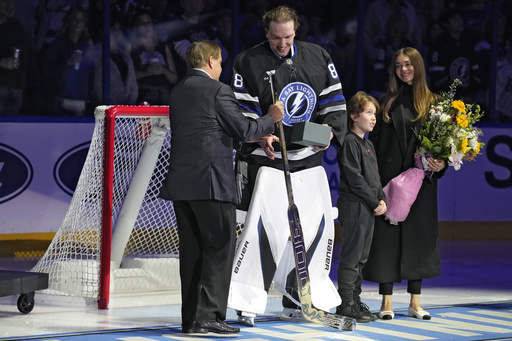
(207, 233)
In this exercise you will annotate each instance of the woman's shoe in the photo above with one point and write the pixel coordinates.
(386, 314)
(420, 314)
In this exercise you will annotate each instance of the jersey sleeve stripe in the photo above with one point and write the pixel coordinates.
(246, 97)
(245, 109)
(331, 109)
(330, 89)
(326, 101)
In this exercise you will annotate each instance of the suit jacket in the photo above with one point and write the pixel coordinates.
(205, 120)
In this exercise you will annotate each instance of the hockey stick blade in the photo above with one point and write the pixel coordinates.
(309, 311)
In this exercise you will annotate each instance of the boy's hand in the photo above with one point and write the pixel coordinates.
(381, 209)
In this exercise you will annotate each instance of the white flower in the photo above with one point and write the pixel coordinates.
(455, 159)
(450, 142)
(473, 142)
(445, 118)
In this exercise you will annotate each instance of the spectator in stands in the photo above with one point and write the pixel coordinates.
(504, 87)
(330, 45)
(190, 27)
(475, 15)
(68, 67)
(153, 61)
(32, 16)
(252, 31)
(55, 12)
(212, 9)
(223, 31)
(162, 18)
(376, 19)
(131, 7)
(123, 81)
(12, 60)
(96, 13)
(483, 53)
(397, 27)
(451, 56)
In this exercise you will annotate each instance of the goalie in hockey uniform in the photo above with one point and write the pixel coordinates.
(306, 81)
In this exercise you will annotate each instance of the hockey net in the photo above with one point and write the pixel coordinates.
(117, 235)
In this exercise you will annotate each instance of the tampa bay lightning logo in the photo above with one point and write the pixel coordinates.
(299, 100)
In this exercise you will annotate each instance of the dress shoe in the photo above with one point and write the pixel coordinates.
(195, 329)
(420, 314)
(214, 326)
(386, 314)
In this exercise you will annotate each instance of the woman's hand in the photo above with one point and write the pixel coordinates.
(436, 165)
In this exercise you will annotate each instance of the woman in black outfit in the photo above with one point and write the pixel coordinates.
(410, 250)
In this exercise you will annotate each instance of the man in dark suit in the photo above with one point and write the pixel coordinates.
(205, 119)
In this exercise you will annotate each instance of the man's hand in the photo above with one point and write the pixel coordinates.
(276, 110)
(319, 148)
(266, 144)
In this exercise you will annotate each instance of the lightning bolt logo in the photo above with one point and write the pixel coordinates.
(298, 103)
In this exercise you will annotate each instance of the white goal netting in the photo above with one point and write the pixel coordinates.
(135, 142)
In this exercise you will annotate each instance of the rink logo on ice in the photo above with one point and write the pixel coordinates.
(299, 100)
(69, 166)
(16, 173)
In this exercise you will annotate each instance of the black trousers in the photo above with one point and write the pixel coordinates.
(413, 287)
(357, 222)
(207, 233)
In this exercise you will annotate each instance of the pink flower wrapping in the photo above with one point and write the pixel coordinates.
(402, 190)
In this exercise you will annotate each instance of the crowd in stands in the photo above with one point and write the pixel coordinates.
(51, 51)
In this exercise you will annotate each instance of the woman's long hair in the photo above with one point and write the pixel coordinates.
(66, 22)
(423, 97)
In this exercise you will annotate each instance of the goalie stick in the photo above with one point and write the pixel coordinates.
(310, 312)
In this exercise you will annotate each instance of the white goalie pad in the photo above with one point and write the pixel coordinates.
(267, 231)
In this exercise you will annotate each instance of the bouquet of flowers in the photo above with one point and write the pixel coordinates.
(448, 131)
(448, 134)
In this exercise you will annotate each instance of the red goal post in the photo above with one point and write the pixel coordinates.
(143, 130)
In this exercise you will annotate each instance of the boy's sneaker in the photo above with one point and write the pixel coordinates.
(292, 314)
(351, 309)
(365, 309)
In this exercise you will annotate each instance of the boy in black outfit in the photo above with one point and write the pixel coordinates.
(361, 198)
